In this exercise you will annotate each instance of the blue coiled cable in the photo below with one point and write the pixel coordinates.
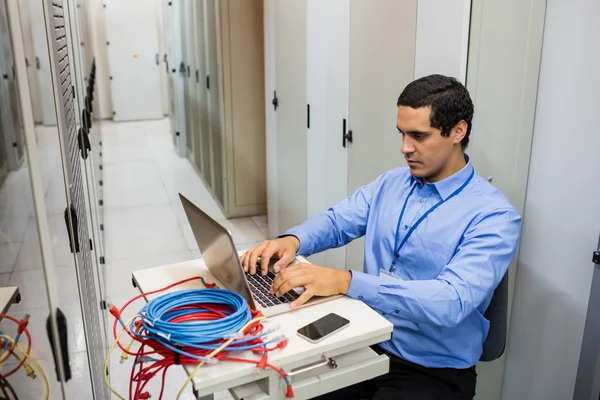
(158, 314)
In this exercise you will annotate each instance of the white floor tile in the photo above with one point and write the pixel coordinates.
(243, 230)
(15, 205)
(12, 229)
(134, 183)
(4, 279)
(126, 152)
(260, 221)
(118, 272)
(142, 230)
(8, 256)
(32, 287)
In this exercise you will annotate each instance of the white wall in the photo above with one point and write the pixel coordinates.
(562, 210)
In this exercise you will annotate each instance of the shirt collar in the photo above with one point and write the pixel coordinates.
(448, 185)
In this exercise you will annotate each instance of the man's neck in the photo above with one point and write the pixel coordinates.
(455, 164)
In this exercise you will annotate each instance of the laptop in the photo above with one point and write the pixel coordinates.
(222, 260)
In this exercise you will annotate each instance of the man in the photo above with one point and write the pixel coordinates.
(438, 240)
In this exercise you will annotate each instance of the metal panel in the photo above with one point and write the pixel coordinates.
(190, 76)
(3, 156)
(587, 384)
(327, 93)
(291, 117)
(176, 77)
(62, 80)
(9, 98)
(502, 78)
(133, 63)
(213, 16)
(372, 105)
(201, 149)
(24, 12)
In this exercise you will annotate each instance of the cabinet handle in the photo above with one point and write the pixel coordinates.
(275, 101)
(346, 136)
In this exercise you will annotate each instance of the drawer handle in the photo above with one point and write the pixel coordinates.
(324, 361)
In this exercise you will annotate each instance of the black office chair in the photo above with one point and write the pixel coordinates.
(497, 314)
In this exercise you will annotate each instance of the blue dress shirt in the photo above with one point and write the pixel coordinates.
(445, 273)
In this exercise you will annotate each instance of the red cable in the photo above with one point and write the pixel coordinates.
(162, 385)
(24, 327)
(9, 386)
(205, 313)
(2, 387)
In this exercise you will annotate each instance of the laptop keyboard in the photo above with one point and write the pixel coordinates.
(260, 286)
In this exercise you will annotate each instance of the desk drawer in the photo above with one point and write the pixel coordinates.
(352, 367)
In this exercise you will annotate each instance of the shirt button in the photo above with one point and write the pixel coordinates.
(405, 227)
(421, 200)
(397, 311)
(397, 256)
(360, 297)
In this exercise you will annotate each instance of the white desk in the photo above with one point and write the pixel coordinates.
(8, 296)
(349, 348)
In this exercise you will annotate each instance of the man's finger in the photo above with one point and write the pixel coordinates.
(244, 258)
(265, 257)
(285, 259)
(296, 281)
(304, 297)
(256, 252)
(282, 277)
(253, 259)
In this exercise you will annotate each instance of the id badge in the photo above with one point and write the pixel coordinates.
(387, 274)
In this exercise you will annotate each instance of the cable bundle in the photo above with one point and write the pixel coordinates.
(194, 326)
(9, 347)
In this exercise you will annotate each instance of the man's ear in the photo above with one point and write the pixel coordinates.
(459, 131)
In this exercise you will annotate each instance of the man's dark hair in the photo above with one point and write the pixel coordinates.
(449, 101)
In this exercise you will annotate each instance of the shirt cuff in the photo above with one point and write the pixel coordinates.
(302, 238)
(364, 287)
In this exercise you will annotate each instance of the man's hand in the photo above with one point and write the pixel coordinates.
(284, 249)
(317, 281)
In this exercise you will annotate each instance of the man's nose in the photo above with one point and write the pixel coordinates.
(407, 145)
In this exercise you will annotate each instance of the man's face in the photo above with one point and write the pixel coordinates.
(426, 151)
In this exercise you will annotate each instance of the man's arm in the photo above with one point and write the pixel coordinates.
(476, 269)
(340, 224)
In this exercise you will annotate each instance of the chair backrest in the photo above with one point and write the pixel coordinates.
(497, 314)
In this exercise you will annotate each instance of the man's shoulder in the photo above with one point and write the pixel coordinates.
(397, 173)
(490, 197)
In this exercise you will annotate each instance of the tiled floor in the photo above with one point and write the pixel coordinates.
(145, 226)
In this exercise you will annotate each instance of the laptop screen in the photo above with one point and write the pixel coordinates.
(217, 249)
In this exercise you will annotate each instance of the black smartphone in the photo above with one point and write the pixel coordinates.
(323, 327)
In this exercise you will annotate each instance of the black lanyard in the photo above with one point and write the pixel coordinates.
(439, 203)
